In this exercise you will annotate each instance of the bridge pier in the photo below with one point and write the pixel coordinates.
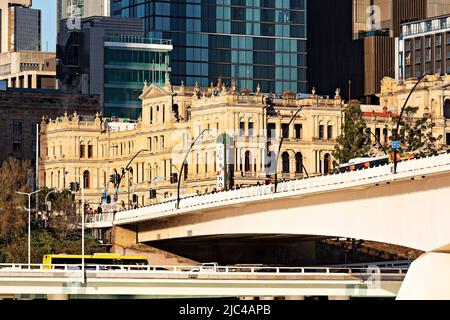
(428, 278)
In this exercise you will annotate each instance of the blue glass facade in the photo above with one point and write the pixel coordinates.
(253, 41)
(127, 64)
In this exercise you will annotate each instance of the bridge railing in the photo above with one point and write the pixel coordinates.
(313, 184)
(58, 268)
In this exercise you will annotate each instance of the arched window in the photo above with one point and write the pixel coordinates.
(149, 173)
(155, 170)
(270, 163)
(298, 162)
(321, 133)
(285, 160)
(250, 127)
(176, 112)
(151, 115)
(327, 164)
(87, 179)
(90, 150)
(241, 127)
(247, 167)
(82, 150)
(447, 109)
(51, 179)
(59, 177)
(129, 147)
(188, 113)
(377, 134)
(163, 113)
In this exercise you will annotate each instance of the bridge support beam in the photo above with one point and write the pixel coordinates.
(428, 278)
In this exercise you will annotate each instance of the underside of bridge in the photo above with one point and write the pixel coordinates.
(273, 249)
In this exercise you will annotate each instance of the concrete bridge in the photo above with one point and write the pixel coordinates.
(407, 208)
(63, 282)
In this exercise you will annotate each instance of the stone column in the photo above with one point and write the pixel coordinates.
(33, 81)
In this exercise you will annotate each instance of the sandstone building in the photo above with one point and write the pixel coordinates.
(90, 151)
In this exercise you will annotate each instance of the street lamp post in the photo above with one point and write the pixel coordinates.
(83, 277)
(183, 165)
(29, 221)
(126, 169)
(395, 136)
(98, 178)
(279, 146)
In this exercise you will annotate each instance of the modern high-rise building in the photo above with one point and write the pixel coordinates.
(82, 8)
(22, 63)
(20, 26)
(112, 58)
(253, 41)
(351, 43)
(424, 48)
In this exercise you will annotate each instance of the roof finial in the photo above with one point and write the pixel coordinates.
(338, 93)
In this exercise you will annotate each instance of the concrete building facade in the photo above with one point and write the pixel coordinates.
(23, 109)
(22, 63)
(423, 48)
(81, 8)
(29, 69)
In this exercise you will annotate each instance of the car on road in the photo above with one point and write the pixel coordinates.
(205, 267)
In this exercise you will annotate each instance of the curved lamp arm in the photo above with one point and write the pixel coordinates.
(279, 146)
(183, 165)
(395, 137)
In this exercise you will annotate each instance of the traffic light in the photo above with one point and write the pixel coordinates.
(108, 199)
(152, 193)
(174, 178)
(74, 186)
(99, 210)
(112, 178)
(44, 208)
(135, 198)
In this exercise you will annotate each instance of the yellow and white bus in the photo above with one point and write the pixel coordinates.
(95, 259)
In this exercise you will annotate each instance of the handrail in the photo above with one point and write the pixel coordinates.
(143, 269)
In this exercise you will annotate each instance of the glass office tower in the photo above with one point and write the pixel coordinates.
(253, 41)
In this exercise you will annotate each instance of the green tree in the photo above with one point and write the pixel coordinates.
(14, 176)
(63, 234)
(354, 140)
(415, 134)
